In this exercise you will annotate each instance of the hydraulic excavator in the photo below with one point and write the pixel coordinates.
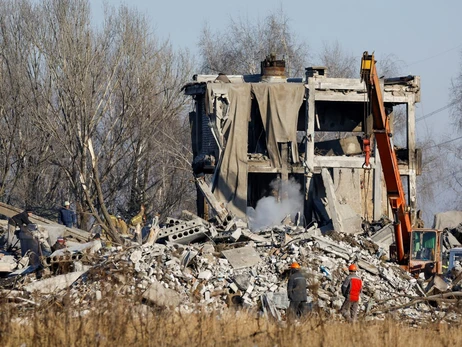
(415, 250)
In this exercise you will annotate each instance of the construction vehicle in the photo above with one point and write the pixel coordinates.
(415, 250)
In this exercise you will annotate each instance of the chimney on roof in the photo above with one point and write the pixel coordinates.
(273, 70)
(316, 71)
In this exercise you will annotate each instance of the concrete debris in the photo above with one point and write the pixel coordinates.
(237, 268)
(333, 206)
(455, 233)
(162, 296)
(53, 284)
(384, 238)
(242, 257)
(447, 220)
(7, 263)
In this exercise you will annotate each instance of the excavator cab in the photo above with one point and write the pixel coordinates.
(425, 252)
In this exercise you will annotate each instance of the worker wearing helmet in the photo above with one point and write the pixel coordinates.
(296, 291)
(351, 290)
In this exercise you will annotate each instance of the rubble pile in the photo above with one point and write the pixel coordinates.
(456, 232)
(241, 269)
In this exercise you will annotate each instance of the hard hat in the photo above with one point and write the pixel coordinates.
(295, 265)
(119, 216)
(352, 267)
(66, 203)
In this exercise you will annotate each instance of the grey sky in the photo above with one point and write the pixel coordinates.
(424, 35)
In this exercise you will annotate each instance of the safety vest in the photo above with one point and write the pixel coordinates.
(356, 285)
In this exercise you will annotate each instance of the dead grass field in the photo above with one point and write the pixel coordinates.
(115, 322)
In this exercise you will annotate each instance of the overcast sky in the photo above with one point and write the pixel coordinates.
(424, 35)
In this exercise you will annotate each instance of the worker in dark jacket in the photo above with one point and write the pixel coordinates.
(59, 244)
(21, 220)
(66, 215)
(296, 291)
(351, 290)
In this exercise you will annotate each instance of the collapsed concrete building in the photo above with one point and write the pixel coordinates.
(249, 130)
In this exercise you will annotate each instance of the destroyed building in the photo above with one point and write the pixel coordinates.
(250, 130)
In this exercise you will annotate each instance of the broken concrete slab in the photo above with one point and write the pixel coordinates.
(135, 257)
(242, 281)
(205, 275)
(254, 237)
(333, 207)
(384, 237)
(7, 263)
(436, 285)
(53, 284)
(187, 257)
(269, 309)
(181, 227)
(351, 220)
(368, 267)
(243, 257)
(161, 296)
(280, 300)
(449, 219)
(188, 236)
(331, 247)
(236, 234)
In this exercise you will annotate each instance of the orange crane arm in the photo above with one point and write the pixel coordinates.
(381, 129)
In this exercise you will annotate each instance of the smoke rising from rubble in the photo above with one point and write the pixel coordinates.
(270, 210)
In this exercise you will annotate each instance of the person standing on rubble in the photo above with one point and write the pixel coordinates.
(296, 291)
(351, 289)
(20, 220)
(66, 216)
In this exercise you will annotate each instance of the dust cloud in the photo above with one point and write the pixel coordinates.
(271, 210)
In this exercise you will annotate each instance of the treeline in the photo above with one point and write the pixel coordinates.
(91, 109)
(91, 113)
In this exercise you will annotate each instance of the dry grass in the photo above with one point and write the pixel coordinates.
(115, 322)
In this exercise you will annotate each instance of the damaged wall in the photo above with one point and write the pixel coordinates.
(306, 126)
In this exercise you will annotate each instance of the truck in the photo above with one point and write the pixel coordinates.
(415, 250)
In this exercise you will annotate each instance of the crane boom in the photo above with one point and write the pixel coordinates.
(382, 132)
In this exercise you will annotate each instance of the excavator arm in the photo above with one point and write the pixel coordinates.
(382, 132)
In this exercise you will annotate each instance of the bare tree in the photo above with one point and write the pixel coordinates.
(246, 42)
(456, 98)
(339, 63)
(95, 115)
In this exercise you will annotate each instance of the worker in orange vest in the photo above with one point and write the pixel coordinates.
(351, 290)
